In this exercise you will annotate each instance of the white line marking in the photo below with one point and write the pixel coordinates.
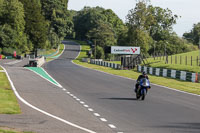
(91, 110)
(103, 119)
(111, 126)
(68, 92)
(82, 102)
(86, 106)
(64, 89)
(13, 62)
(46, 113)
(52, 78)
(78, 99)
(2, 71)
(96, 114)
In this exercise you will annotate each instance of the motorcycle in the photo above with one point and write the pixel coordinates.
(144, 85)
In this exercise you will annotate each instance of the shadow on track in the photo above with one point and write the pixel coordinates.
(125, 99)
(184, 127)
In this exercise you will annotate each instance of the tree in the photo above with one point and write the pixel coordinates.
(103, 35)
(163, 19)
(36, 26)
(13, 25)
(60, 24)
(139, 21)
(194, 35)
(88, 19)
(148, 24)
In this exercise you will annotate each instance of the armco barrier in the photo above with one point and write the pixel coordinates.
(182, 75)
(104, 63)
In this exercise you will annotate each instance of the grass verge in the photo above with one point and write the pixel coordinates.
(8, 100)
(168, 82)
(55, 56)
(7, 130)
(177, 62)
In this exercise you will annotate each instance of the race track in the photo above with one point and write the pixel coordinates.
(163, 111)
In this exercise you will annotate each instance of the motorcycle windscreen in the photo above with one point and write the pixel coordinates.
(145, 82)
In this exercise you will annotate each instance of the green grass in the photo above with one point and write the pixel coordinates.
(55, 56)
(47, 52)
(172, 83)
(84, 48)
(8, 101)
(116, 62)
(7, 130)
(177, 62)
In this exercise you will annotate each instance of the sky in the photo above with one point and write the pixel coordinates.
(189, 10)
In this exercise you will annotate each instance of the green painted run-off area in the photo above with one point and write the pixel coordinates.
(42, 73)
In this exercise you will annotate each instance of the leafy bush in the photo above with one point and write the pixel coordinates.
(100, 53)
(10, 51)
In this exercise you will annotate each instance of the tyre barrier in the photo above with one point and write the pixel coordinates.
(104, 63)
(176, 74)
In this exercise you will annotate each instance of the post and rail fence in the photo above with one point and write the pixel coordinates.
(178, 59)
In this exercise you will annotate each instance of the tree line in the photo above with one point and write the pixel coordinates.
(29, 25)
(147, 26)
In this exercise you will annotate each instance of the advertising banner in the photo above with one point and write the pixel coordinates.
(125, 50)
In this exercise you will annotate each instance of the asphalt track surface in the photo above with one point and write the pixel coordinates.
(163, 111)
(112, 97)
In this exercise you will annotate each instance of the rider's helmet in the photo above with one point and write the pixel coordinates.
(144, 73)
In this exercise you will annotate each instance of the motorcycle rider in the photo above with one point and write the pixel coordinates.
(143, 75)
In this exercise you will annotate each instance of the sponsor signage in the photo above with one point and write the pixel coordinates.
(125, 50)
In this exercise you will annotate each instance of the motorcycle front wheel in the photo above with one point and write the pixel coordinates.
(144, 94)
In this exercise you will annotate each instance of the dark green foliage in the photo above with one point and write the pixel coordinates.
(194, 35)
(89, 18)
(36, 26)
(59, 20)
(10, 51)
(98, 24)
(28, 25)
(12, 25)
(151, 28)
(99, 53)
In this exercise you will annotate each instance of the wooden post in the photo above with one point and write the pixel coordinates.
(180, 59)
(160, 56)
(166, 59)
(175, 59)
(171, 59)
(185, 60)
